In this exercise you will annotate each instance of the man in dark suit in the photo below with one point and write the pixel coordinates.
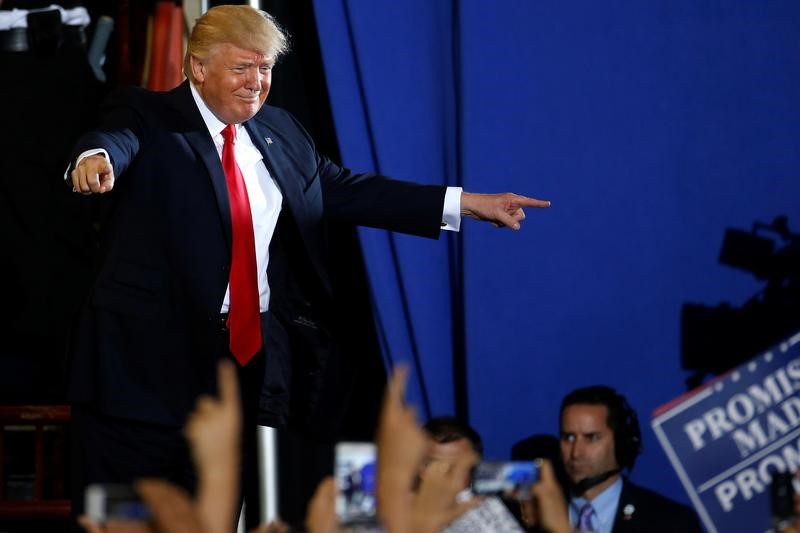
(214, 248)
(600, 438)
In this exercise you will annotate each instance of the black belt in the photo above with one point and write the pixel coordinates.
(44, 33)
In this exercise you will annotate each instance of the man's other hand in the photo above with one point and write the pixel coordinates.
(502, 210)
(93, 174)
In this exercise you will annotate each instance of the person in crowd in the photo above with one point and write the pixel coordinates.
(545, 511)
(600, 439)
(402, 447)
(214, 248)
(451, 439)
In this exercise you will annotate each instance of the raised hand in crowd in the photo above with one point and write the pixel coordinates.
(436, 503)
(546, 507)
(214, 432)
(401, 448)
(321, 514)
(171, 508)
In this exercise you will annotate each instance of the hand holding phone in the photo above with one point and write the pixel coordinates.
(510, 479)
(106, 502)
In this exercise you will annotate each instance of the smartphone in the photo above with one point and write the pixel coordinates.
(509, 479)
(114, 502)
(355, 483)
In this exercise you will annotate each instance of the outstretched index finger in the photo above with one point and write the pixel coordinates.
(227, 383)
(525, 201)
(395, 392)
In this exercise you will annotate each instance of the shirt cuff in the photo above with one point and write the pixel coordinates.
(451, 212)
(83, 156)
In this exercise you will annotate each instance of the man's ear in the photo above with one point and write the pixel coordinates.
(198, 71)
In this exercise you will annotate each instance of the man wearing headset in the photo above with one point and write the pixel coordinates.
(600, 438)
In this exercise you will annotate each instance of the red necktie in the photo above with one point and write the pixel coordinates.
(244, 320)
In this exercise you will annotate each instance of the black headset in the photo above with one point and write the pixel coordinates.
(627, 435)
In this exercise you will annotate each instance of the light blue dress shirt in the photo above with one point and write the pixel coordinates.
(605, 508)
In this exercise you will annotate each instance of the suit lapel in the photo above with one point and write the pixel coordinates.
(269, 143)
(197, 136)
(626, 519)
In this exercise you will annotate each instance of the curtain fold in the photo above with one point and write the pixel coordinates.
(382, 130)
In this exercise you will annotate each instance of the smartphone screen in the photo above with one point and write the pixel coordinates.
(510, 479)
(114, 502)
(355, 482)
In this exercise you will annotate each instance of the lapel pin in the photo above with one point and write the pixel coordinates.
(628, 511)
(268, 139)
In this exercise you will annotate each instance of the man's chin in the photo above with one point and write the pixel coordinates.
(245, 113)
(577, 477)
(575, 484)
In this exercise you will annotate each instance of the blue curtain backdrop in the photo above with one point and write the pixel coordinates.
(652, 126)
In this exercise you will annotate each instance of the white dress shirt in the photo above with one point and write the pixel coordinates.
(262, 191)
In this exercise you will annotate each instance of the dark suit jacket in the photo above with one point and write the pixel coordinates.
(643, 511)
(143, 345)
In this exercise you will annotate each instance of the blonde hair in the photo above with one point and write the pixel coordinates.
(242, 26)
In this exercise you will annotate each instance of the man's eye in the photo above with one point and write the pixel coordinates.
(238, 70)
(265, 69)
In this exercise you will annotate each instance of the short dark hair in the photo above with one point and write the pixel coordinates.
(444, 429)
(622, 420)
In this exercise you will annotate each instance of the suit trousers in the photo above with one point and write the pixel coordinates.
(107, 449)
